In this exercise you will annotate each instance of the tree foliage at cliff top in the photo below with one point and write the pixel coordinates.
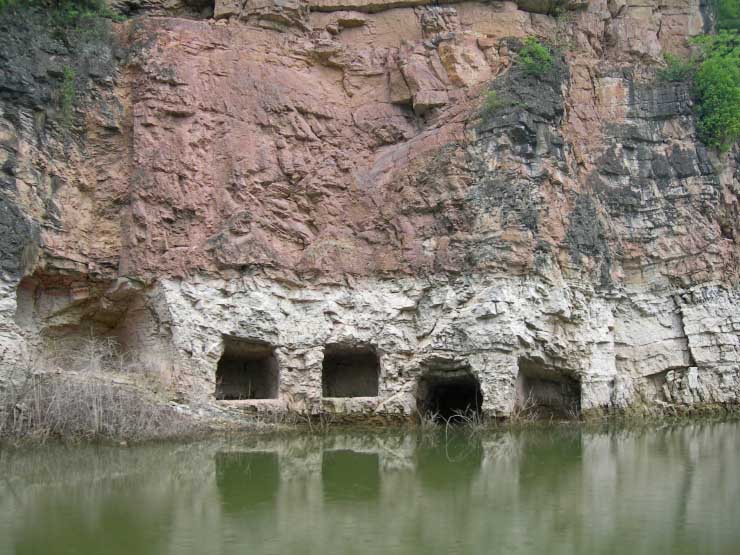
(717, 90)
(728, 14)
(717, 79)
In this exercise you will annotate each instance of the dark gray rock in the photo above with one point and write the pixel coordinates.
(684, 162)
(35, 55)
(19, 240)
(586, 236)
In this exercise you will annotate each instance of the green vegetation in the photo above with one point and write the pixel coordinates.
(73, 22)
(716, 78)
(492, 103)
(64, 12)
(67, 94)
(717, 90)
(495, 101)
(535, 57)
(75, 34)
(728, 14)
(677, 69)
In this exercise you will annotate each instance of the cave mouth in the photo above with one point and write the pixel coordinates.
(350, 371)
(451, 396)
(247, 369)
(545, 393)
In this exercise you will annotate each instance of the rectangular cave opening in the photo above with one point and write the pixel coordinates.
(544, 392)
(247, 369)
(350, 371)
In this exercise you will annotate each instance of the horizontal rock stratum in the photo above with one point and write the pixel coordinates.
(366, 206)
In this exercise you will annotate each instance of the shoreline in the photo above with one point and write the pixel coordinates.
(205, 430)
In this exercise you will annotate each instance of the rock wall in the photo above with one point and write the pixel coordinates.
(304, 174)
(624, 350)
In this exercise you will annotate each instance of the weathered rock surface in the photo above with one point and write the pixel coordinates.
(313, 173)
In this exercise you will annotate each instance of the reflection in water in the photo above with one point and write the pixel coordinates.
(56, 502)
(559, 491)
(246, 480)
(64, 525)
(350, 476)
(548, 463)
(449, 463)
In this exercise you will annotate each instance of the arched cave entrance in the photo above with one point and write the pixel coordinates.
(449, 395)
(350, 371)
(543, 392)
(247, 370)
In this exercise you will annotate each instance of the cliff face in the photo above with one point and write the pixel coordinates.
(304, 174)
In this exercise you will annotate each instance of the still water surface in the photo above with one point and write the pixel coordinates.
(672, 490)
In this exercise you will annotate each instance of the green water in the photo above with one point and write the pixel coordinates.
(659, 491)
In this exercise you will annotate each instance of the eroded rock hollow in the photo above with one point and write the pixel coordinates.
(338, 205)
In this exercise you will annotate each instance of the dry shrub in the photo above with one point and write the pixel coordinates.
(528, 410)
(89, 392)
(427, 421)
(73, 407)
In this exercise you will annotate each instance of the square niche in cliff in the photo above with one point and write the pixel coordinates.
(247, 370)
(350, 371)
(545, 392)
